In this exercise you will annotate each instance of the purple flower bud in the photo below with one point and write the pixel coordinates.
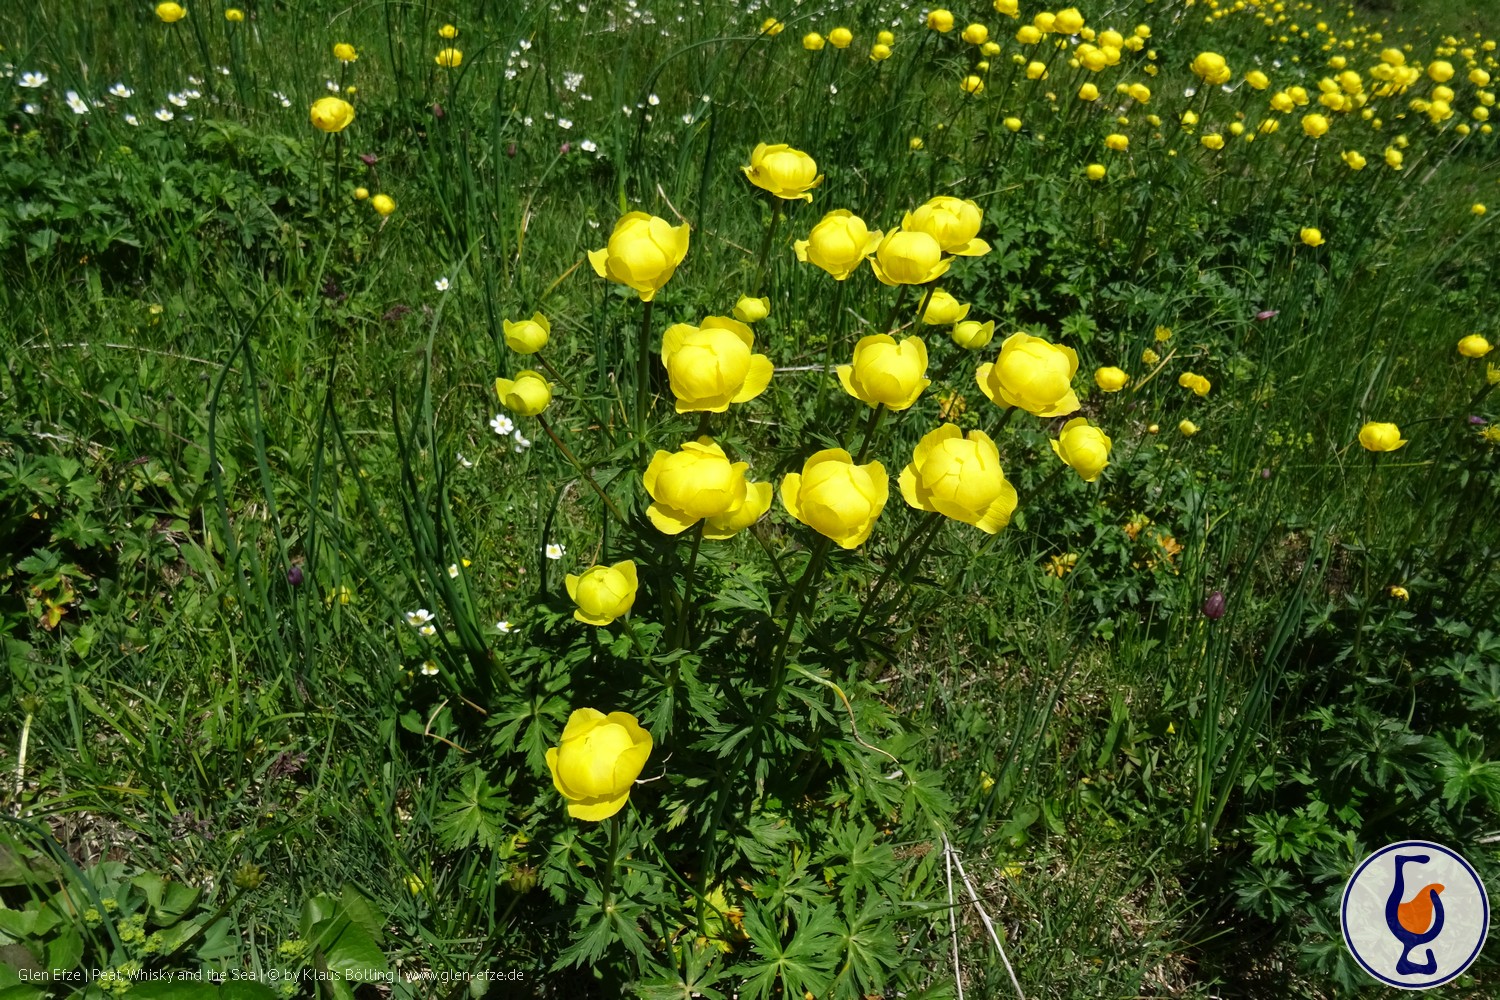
(1214, 607)
(294, 576)
(369, 159)
(1477, 421)
(437, 110)
(511, 150)
(566, 148)
(1265, 473)
(1266, 314)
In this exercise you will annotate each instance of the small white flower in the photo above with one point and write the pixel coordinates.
(524, 64)
(429, 668)
(653, 100)
(565, 123)
(504, 627)
(527, 121)
(332, 85)
(32, 79)
(195, 80)
(501, 424)
(286, 102)
(522, 443)
(31, 109)
(419, 617)
(510, 74)
(179, 100)
(593, 223)
(555, 551)
(428, 630)
(588, 146)
(833, 89)
(525, 45)
(79, 106)
(572, 80)
(706, 98)
(441, 284)
(192, 95)
(1189, 91)
(121, 91)
(585, 97)
(132, 120)
(687, 119)
(625, 108)
(223, 70)
(464, 461)
(453, 570)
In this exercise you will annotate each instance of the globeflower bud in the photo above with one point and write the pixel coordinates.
(331, 114)
(529, 335)
(1312, 236)
(812, 42)
(909, 258)
(170, 12)
(383, 204)
(1187, 428)
(1111, 379)
(1375, 436)
(838, 243)
(1033, 375)
(1314, 125)
(940, 20)
(449, 58)
(960, 477)
(344, 52)
(973, 335)
(597, 762)
(695, 482)
(603, 593)
(1211, 68)
(1082, 447)
(840, 38)
(885, 371)
(711, 366)
(943, 309)
(785, 172)
(643, 253)
(234, 15)
(1474, 346)
(835, 497)
(976, 34)
(748, 310)
(527, 394)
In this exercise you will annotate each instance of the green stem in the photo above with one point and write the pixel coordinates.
(642, 371)
(765, 247)
(582, 471)
(890, 321)
(871, 424)
(685, 612)
(924, 525)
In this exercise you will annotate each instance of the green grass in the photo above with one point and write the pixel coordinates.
(235, 403)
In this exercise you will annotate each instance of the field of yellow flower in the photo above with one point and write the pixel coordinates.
(674, 498)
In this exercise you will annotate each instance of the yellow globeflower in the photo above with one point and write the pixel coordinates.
(976, 34)
(529, 335)
(749, 310)
(1474, 346)
(1255, 78)
(1095, 171)
(971, 84)
(1312, 236)
(713, 365)
(838, 243)
(1375, 436)
(943, 309)
(1314, 125)
(886, 38)
(1440, 71)
(383, 203)
(960, 477)
(1211, 68)
(1117, 142)
(1186, 428)
(880, 52)
(447, 31)
(1010, 8)
(331, 114)
(527, 394)
(1012, 123)
(234, 14)
(344, 52)
(361, 193)
(1068, 21)
(170, 12)
(597, 762)
(771, 26)
(940, 20)
(1111, 379)
(1197, 383)
(758, 496)
(1353, 159)
(973, 335)
(1082, 447)
(449, 58)
(840, 38)
(953, 222)
(909, 258)
(835, 497)
(886, 371)
(1211, 140)
(783, 171)
(1394, 158)
(603, 593)
(1033, 375)
(695, 482)
(643, 253)
(812, 42)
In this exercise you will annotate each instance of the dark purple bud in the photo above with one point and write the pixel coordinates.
(1214, 607)
(1477, 421)
(369, 159)
(566, 148)
(1265, 473)
(511, 150)
(1266, 314)
(437, 110)
(294, 576)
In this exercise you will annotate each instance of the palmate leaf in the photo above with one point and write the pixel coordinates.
(473, 813)
(869, 948)
(695, 979)
(802, 965)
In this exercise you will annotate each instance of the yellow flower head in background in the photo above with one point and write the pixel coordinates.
(1083, 447)
(527, 394)
(783, 171)
(943, 309)
(331, 114)
(909, 258)
(1474, 346)
(1187, 428)
(447, 31)
(1375, 436)
(1033, 375)
(880, 52)
(1010, 8)
(1353, 159)
(953, 222)
(1312, 236)
(771, 26)
(449, 58)
(1197, 383)
(750, 310)
(597, 762)
(1095, 171)
(971, 84)
(234, 15)
(886, 371)
(344, 52)
(643, 252)
(812, 42)
(1211, 68)
(835, 497)
(1314, 125)
(383, 203)
(603, 593)
(170, 12)
(529, 335)
(960, 477)
(976, 34)
(693, 483)
(1111, 379)
(838, 244)
(713, 365)
(840, 38)
(940, 20)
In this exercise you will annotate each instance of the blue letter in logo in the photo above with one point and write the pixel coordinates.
(1416, 922)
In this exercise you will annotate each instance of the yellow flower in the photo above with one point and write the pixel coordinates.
(1314, 125)
(909, 258)
(361, 193)
(1068, 21)
(1149, 357)
(1010, 8)
(1061, 565)
(1117, 142)
(973, 335)
(597, 762)
(234, 14)
(1478, 208)
(885, 371)
(447, 31)
(835, 497)
(771, 26)
(840, 38)
(886, 38)
(642, 253)
(529, 335)
(1012, 123)
(960, 477)
(383, 203)
(1095, 171)
(976, 34)
(943, 309)
(1257, 79)
(603, 593)
(880, 52)
(1036, 70)
(953, 222)
(1393, 157)
(812, 42)
(785, 172)
(915, 143)
(1111, 379)
(1311, 236)
(170, 12)
(1440, 71)
(718, 527)
(344, 52)
(1088, 92)
(1187, 428)
(1353, 160)
(748, 310)
(1212, 140)
(1474, 346)
(527, 394)
(1211, 68)
(1033, 375)
(331, 114)
(449, 58)
(1083, 448)
(713, 365)
(838, 243)
(940, 20)
(1375, 436)
(1399, 593)
(1197, 383)
(971, 84)
(695, 482)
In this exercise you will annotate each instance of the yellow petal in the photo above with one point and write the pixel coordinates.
(669, 521)
(599, 259)
(756, 380)
(595, 810)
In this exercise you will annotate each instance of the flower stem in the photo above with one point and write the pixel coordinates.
(926, 524)
(765, 247)
(871, 423)
(587, 476)
(685, 611)
(642, 371)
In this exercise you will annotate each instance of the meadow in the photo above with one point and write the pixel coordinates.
(681, 498)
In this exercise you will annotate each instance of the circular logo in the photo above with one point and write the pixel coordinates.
(1414, 914)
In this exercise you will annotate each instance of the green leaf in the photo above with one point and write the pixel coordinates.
(473, 813)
